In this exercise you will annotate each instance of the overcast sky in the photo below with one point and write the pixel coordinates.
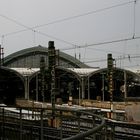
(75, 26)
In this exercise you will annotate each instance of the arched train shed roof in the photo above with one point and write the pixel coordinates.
(78, 72)
(134, 73)
(13, 71)
(30, 57)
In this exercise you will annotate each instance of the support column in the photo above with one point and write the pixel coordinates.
(26, 87)
(125, 86)
(1, 56)
(88, 88)
(79, 89)
(36, 87)
(111, 84)
(103, 86)
(83, 88)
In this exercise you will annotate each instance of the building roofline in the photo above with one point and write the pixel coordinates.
(39, 49)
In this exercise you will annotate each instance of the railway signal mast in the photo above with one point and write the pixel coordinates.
(1, 56)
(110, 81)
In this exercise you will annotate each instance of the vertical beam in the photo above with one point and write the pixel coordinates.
(125, 84)
(110, 78)
(26, 87)
(51, 68)
(94, 135)
(41, 125)
(36, 87)
(70, 93)
(83, 88)
(103, 86)
(88, 88)
(20, 124)
(3, 124)
(1, 56)
(42, 71)
(53, 92)
(61, 131)
(79, 92)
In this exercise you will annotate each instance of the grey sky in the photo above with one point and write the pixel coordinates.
(101, 25)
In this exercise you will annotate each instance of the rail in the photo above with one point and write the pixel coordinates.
(38, 123)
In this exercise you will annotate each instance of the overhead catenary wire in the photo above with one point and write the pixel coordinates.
(85, 14)
(104, 50)
(58, 39)
(117, 59)
(103, 43)
(63, 19)
(74, 17)
(33, 30)
(134, 20)
(75, 46)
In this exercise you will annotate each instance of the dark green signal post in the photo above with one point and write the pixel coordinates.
(42, 74)
(110, 81)
(110, 75)
(51, 70)
(1, 56)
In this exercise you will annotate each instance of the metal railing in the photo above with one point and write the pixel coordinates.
(39, 124)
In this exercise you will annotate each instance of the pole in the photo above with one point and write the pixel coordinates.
(88, 88)
(125, 83)
(79, 93)
(53, 91)
(83, 88)
(110, 78)
(103, 86)
(36, 87)
(26, 87)
(0, 56)
(53, 96)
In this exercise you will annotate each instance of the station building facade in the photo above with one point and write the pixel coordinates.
(20, 77)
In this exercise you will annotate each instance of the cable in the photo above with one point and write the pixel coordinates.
(105, 51)
(34, 38)
(134, 28)
(64, 19)
(16, 22)
(34, 31)
(73, 17)
(120, 58)
(103, 43)
(61, 40)
(84, 14)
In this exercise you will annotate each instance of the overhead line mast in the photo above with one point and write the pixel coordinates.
(1, 56)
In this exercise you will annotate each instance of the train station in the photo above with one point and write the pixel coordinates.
(27, 74)
(44, 92)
